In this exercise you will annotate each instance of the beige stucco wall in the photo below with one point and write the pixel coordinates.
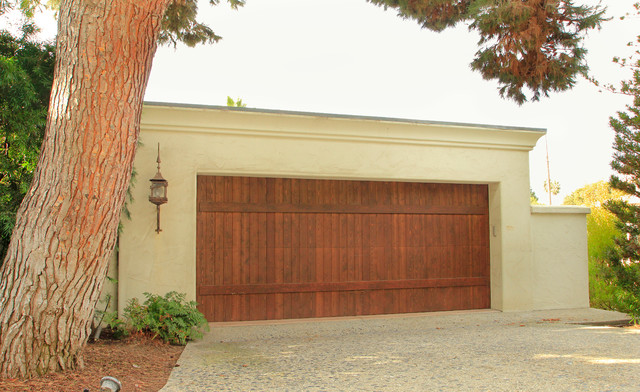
(225, 141)
(560, 259)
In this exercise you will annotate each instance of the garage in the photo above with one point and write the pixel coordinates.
(283, 248)
(276, 214)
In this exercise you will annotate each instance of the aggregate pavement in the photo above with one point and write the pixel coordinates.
(555, 350)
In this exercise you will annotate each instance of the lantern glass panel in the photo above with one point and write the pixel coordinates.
(157, 190)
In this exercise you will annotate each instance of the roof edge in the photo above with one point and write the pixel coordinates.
(342, 116)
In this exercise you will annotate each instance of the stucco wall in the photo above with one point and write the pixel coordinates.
(560, 259)
(224, 141)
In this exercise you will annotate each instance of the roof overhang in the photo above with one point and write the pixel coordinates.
(185, 118)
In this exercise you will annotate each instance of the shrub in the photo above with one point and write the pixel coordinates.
(604, 289)
(170, 317)
(601, 233)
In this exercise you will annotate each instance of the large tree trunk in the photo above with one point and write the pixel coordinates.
(67, 224)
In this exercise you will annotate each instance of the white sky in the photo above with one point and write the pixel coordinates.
(351, 57)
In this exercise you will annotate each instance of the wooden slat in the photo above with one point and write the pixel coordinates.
(340, 286)
(209, 206)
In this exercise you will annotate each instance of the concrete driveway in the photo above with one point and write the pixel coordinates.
(452, 351)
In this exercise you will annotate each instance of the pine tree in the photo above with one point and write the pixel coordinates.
(624, 258)
(528, 46)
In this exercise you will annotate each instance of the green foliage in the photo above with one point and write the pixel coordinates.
(110, 318)
(180, 25)
(602, 231)
(632, 61)
(533, 44)
(116, 324)
(170, 317)
(604, 292)
(526, 45)
(533, 199)
(28, 7)
(593, 195)
(237, 103)
(126, 213)
(624, 257)
(26, 75)
(553, 187)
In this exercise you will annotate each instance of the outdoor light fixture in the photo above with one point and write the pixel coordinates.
(158, 194)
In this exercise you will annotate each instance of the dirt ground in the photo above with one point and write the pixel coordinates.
(139, 364)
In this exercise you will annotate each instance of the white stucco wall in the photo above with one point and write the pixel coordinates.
(225, 141)
(560, 257)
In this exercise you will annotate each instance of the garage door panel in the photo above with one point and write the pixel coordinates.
(276, 231)
(339, 303)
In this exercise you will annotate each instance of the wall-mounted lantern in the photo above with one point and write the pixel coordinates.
(158, 194)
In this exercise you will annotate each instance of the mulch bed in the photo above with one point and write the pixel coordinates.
(139, 363)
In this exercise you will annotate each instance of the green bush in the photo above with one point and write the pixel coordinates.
(170, 317)
(601, 233)
(604, 291)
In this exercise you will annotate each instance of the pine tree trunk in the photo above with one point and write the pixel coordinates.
(67, 224)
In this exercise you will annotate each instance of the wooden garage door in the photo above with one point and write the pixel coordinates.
(273, 248)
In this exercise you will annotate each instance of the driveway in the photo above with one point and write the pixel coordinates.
(450, 351)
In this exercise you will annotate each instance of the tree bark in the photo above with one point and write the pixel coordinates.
(67, 224)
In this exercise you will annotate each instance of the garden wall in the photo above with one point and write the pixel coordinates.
(560, 257)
